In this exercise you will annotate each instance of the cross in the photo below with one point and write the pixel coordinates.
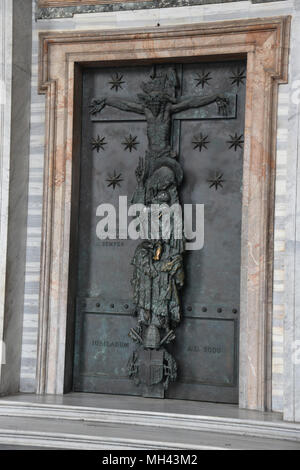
(157, 104)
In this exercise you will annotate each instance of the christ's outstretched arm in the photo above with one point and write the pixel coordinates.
(198, 101)
(125, 105)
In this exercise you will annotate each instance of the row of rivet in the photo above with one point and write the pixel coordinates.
(189, 308)
(204, 309)
(126, 306)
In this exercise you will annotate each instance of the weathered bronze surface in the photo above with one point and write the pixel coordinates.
(158, 263)
(155, 358)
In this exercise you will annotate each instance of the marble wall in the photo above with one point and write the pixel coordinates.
(34, 214)
(285, 233)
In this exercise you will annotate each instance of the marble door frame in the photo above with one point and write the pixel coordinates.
(265, 43)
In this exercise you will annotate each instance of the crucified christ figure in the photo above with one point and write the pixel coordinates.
(157, 104)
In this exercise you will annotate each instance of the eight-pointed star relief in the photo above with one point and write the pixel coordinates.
(130, 143)
(216, 181)
(200, 141)
(238, 77)
(114, 180)
(202, 78)
(98, 143)
(236, 141)
(116, 81)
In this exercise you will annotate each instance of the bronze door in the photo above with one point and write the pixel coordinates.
(206, 140)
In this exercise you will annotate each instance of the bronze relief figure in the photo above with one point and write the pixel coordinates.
(158, 273)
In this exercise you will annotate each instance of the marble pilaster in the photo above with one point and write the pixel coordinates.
(6, 24)
(15, 18)
(292, 262)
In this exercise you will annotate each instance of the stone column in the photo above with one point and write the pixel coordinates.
(15, 72)
(292, 306)
(6, 22)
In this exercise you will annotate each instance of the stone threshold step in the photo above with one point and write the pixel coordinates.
(260, 428)
(66, 434)
(83, 442)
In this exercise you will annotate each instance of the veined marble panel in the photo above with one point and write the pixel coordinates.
(48, 9)
(6, 28)
(14, 130)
